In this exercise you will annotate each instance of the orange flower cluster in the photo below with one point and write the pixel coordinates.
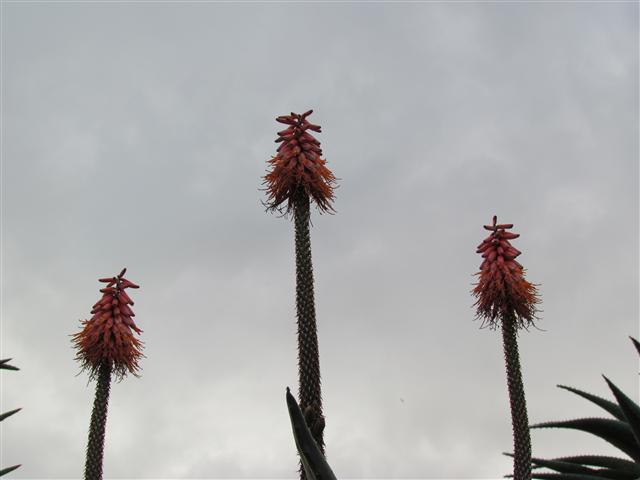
(298, 167)
(108, 335)
(502, 291)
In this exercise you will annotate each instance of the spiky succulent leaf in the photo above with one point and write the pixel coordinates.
(575, 468)
(611, 407)
(562, 466)
(630, 409)
(615, 432)
(614, 468)
(4, 471)
(632, 469)
(568, 476)
(8, 414)
(313, 461)
(624, 433)
(5, 365)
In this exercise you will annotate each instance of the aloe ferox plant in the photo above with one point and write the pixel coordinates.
(298, 176)
(507, 300)
(106, 347)
(621, 429)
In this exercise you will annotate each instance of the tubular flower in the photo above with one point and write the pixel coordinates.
(502, 291)
(108, 336)
(298, 167)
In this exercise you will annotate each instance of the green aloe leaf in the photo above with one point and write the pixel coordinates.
(615, 432)
(614, 468)
(631, 469)
(623, 433)
(574, 468)
(4, 471)
(608, 405)
(567, 476)
(8, 414)
(4, 364)
(314, 463)
(562, 466)
(630, 409)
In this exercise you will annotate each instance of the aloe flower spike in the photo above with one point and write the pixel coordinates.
(299, 176)
(106, 344)
(506, 299)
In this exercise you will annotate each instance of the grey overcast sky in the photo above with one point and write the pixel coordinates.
(136, 134)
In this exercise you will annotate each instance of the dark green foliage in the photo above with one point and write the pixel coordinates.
(611, 407)
(615, 432)
(4, 471)
(630, 410)
(621, 431)
(8, 414)
(95, 446)
(313, 461)
(4, 364)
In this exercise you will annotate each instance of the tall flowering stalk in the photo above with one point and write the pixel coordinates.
(297, 177)
(106, 345)
(506, 299)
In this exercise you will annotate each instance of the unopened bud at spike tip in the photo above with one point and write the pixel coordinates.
(510, 236)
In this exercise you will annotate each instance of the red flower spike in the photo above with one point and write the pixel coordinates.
(298, 167)
(108, 335)
(502, 291)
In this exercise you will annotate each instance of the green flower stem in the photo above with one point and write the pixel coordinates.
(519, 420)
(308, 356)
(95, 447)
